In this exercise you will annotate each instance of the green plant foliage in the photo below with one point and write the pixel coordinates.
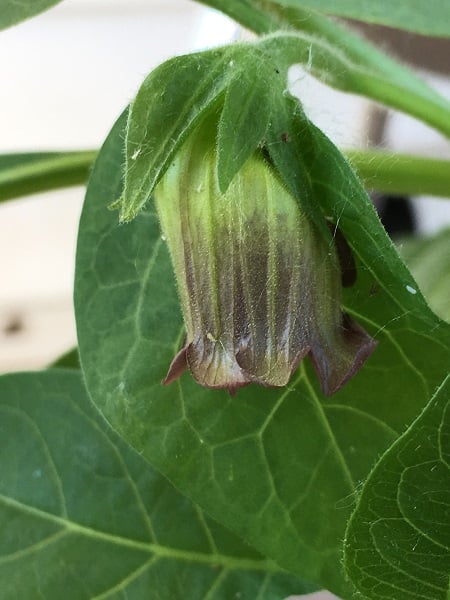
(429, 259)
(278, 467)
(14, 11)
(69, 360)
(179, 92)
(87, 517)
(342, 59)
(398, 540)
(170, 105)
(28, 173)
(413, 15)
(428, 18)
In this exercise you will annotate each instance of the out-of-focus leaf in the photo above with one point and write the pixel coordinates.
(14, 11)
(429, 259)
(70, 360)
(83, 516)
(398, 540)
(431, 18)
(428, 18)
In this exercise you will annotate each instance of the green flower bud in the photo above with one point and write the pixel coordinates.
(260, 287)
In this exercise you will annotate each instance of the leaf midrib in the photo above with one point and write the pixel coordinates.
(230, 562)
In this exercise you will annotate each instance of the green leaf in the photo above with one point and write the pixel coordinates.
(244, 118)
(336, 189)
(428, 18)
(245, 86)
(14, 11)
(398, 540)
(83, 516)
(29, 173)
(69, 360)
(342, 59)
(168, 105)
(277, 467)
(428, 259)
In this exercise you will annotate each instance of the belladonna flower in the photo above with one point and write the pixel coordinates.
(260, 287)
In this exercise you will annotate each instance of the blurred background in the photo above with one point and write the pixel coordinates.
(67, 75)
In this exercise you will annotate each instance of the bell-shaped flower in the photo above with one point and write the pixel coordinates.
(260, 286)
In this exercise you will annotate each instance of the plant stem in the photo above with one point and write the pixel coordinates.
(400, 173)
(25, 174)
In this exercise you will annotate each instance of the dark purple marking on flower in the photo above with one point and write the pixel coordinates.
(345, 257)
(260, 287)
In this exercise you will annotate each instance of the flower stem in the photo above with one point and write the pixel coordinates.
(400, 173)
(25, 174)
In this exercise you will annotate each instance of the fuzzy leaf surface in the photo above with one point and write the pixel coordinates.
(83, 516)
(342, 59)
(278, 467)
(168, 105)
(398, 540)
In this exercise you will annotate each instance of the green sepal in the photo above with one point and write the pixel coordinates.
(245, 116)
(167, 107)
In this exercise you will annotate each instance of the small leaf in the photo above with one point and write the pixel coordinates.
(398, 540)
(168, 105)
(244, 118)
(84, 516)
(278, 467)
(14, 11)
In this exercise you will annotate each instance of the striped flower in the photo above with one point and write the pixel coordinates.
(260, 287)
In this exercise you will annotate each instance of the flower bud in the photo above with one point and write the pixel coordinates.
(260, 287)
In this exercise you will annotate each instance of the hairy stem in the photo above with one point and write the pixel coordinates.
(25, 174)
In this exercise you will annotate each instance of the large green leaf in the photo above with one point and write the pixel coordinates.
(83, 516)
(398, 540)
(279, 467)
(22, 174)
(14, 11)
(342, 59)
